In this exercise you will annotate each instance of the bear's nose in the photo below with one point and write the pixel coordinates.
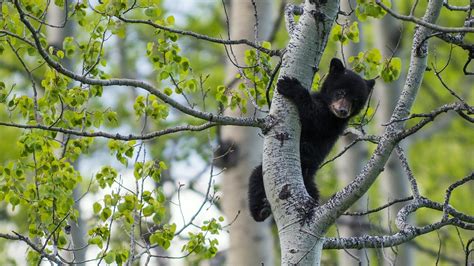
(343, 112)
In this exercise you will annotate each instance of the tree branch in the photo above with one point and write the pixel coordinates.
(458, 107)
(455, 8)
(201, 36)
(406, 168)
(116, 136)
(19, 237)
(379, 208)
(406, 233)
(133, 83)
(423, 22)
(450, 189)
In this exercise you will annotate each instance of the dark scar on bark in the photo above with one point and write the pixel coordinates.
(282, 137)
(306, 211)
(318, 15)
(271, 122)
(285, 192)
(315, 69)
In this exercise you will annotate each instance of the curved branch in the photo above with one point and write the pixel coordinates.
(31, 244)
(429, 117)
(18, 37)
(450, 189)
(423, 22)
(116, 136)
(406, 167)
(379, 208)
(201, 36)
(407, 231)
(460, 219)
(455, 8)
(379, 241)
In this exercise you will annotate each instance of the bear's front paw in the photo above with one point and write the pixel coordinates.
(287, 86)
(264, 212)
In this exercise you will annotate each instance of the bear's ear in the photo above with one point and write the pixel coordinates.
(336, 66)
(370, 83)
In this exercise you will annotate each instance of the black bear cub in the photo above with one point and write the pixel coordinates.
(324, 116)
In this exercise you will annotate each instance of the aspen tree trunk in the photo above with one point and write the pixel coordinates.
(300, 242)
(251, 243)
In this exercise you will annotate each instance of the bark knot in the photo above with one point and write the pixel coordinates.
(285, 192)
(306, 211)
(282, 136)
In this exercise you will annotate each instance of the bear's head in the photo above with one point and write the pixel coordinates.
(344, 91)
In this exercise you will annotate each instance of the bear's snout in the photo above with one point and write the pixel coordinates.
(341, 108)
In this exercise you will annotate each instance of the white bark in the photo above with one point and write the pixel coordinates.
(250, 242)
(281, 162)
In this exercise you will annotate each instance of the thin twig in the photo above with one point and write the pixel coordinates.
(422, 22)
(406, 168)
(202, 37)
(379, 208)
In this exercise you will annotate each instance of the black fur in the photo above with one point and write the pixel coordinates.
(324, 116)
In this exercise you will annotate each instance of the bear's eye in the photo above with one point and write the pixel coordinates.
(340, 94)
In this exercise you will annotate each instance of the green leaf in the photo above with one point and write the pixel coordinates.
(110, 257)
(153, 12)
(97, 240)
(163, 165)
(168, 91)
(14, 200)
(267, 45)
(106, 213)
(96, 207)
(170, 20)
(392, 69)
(164, 75)
(60, 54)
(148, 210)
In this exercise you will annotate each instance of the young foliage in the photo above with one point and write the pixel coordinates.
(369, 8)
(345, 33)
(373, 65)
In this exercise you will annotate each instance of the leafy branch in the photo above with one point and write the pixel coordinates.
(132, 83)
